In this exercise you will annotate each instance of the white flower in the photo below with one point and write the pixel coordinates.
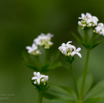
(44, 40)
(100, 29)
(33, 50)
(69, 50)
(76, 51)
(39, 78)
(92, 20)
(87, 20)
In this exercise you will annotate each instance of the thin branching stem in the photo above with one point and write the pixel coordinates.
(74, 80)
(84, 75)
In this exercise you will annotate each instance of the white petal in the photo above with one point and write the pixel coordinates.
(78, 49)
(89, 20)
(35, 74)
(63, 44)
(42, 76)
(28, 47)
(79, 23)
(33, 78)
(46, 78)
(69, 42)
(79, 55)
(38, 74)
(38, 81)
(73, 53)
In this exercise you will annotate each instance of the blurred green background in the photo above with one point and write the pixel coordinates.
(23, 20)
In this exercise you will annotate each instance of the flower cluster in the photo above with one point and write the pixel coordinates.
(100, 29)
(88, 20)
(39, 78)
(33, 50)
(69, 50)
(41, 40)
(44, 40)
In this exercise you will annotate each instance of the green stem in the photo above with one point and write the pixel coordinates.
(74, 79)
(84, 75)
(40, 96)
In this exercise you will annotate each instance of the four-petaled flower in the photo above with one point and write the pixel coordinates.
(39, 78)
(33, 50)
(76, 51)
(100, 29)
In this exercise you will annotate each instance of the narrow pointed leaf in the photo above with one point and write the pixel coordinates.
(30, 66)
(81, 32)
(94, 100)
(54, 66)
(60, 101)
(42, 56)
(97, 43)
(45, 67)
(77, 38)
(58, 92)
(90, 33)
(97, 91)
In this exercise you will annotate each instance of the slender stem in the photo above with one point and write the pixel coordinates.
(74, 79)
(40, 96)
(84, 75)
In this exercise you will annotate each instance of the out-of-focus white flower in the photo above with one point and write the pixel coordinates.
(76, 51)
(100, 29)
(44, 40)
(39, 78)
(69, 50)
(33, 50)
(87, 20)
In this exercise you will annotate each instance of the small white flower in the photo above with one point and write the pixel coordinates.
(83, 16)
(69, 50)
(87, 20)
(76, 51)
(44, 40)
(33, 50)
(100, 29)
(39, 78)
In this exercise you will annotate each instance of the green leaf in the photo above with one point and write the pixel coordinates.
(45, 67)
(97, 91)
(88, 83)
(30, 60)
(54, 57)
(77, 38)
(43, 53)
(81, 32)
(90, 33)
(94, 100)
(54, 66)
(97, 43)
(30, 66)
(60, 101)
(59, 92)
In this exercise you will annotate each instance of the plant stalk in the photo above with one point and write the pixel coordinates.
(74, 79)
(84, 75)
(40, 96)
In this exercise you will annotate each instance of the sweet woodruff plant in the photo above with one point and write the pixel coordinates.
(89, 30)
